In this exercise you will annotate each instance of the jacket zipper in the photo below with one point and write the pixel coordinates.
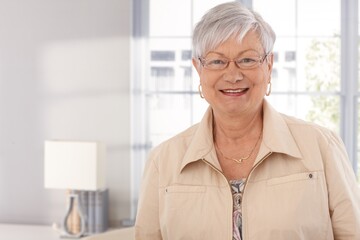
(251, 171)
(217, 170)
(253, 168)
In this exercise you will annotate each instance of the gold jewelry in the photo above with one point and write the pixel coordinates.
(240, 160)
(268, 91)
(200, 92)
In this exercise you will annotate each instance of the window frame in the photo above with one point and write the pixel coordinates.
(140, 142)
(349, 77)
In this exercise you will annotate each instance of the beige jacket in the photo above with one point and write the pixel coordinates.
(301, 187)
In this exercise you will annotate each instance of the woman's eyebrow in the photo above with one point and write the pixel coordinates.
(240, 53)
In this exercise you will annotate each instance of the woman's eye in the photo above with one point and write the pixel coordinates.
(246, 60)
(216, 62)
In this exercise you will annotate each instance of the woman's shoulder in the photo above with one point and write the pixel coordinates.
(178, 141)
(303, 127)
(168, 155)
(299, 128)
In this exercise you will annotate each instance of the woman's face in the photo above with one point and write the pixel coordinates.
(234, 91)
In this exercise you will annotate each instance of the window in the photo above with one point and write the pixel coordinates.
(313, 75)
(162, 55)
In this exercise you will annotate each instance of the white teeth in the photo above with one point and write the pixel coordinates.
(233, 90)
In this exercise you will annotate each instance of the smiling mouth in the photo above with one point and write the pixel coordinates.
(234, 91)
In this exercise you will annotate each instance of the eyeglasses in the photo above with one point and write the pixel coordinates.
(242, 62)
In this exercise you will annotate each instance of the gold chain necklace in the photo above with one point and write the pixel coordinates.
(240, 160)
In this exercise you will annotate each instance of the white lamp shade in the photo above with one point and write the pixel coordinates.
(74, 165)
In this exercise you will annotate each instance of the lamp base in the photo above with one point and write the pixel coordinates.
(66, 233)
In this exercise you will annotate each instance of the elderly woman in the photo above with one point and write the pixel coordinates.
(246, 171)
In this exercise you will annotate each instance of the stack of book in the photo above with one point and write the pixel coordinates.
(95, 208)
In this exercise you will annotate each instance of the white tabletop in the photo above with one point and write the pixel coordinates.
(28, 232)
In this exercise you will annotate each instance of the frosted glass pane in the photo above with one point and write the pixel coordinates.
(318, 64)
(280, 14)
(318, 18)
(306, 64)
(201, 7)
(170, 65)
(169, 114)
(301, 17)
(170, 18)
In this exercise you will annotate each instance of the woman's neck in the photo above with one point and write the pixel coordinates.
(230, 129)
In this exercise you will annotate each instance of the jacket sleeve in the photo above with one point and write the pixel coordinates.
(147, 226)
(343, 191)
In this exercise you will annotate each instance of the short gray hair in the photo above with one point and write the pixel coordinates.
(227, 20)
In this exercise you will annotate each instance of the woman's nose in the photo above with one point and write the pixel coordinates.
(233, 73)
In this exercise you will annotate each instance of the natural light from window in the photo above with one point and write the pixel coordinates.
(307, 80)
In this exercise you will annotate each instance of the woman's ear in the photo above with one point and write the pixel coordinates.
(270, 61)
(197, 65)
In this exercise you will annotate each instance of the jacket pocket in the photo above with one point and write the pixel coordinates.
(182, 197)
(293, 178)
(185, 189)
(289, 206)
(182, 211)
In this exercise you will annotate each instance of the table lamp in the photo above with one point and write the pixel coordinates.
(74, 165)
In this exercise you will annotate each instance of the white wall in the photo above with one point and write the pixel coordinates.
(64, 74)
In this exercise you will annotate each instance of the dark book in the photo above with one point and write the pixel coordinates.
(91, 213)
(101, 210)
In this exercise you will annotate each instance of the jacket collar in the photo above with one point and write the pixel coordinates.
(276, 138)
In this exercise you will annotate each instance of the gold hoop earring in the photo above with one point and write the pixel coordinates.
(200, 92)
(268, 91)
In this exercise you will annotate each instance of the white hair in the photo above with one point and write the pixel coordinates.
(227, 20)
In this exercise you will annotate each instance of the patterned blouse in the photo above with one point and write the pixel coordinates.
(237, 188)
